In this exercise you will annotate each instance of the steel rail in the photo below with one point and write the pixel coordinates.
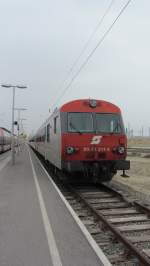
(142, 207)
(131, 248)
(138, 149)
(136, 204)
(117, 193)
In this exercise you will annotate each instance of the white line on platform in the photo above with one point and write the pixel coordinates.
(49, 233)
(93, 244)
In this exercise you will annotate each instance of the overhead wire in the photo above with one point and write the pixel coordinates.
(86, 44)
(92, 35)
(92, 52)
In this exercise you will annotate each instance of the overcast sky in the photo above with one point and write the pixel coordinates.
(40, 40)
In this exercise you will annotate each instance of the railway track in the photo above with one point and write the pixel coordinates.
(120, 227)
(139, 150)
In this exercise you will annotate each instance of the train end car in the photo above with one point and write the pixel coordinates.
(85, 136)
(93, 139)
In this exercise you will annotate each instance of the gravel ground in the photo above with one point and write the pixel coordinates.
(139, 142)
(138, 184)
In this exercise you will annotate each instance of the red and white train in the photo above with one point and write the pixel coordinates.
(84, 136)
(5, 139)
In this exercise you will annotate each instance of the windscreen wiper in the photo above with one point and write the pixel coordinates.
(74, 127)
(118, 125)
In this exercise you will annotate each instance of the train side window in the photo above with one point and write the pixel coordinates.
(42, 135)
(48, 133)
(55, 124)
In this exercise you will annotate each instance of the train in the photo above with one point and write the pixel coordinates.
(84, 137)
(5, 139)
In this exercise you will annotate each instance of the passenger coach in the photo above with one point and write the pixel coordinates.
(85, 136)
(5, 139)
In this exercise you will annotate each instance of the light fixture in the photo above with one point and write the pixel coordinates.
(92, 103)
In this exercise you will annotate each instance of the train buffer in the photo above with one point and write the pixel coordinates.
(36, 225)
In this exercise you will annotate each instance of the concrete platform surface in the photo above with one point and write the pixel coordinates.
(36, 228)
(4, 159)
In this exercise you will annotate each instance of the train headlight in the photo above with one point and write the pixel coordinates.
(121, 149)
(70, 150)
(93, 103)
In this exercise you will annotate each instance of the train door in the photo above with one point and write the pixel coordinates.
(53, 140)
(56, 144)
(47, 142)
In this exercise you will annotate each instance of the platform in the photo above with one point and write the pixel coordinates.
(4, 159)
(36, 227)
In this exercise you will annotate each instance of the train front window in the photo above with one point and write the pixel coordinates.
(80, 122)
(109, 123)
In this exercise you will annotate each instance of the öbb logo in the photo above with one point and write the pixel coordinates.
(96, 140)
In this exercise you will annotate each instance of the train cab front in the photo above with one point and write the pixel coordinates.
(94, 143)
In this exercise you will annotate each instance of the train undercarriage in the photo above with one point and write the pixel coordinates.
(96, 171)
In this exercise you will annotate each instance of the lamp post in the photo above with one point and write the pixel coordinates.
(13, 105)
(18, 125)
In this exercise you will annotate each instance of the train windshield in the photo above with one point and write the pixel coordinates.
(109, 123)
(80, 122)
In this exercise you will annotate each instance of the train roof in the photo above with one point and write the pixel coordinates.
(90, 105)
